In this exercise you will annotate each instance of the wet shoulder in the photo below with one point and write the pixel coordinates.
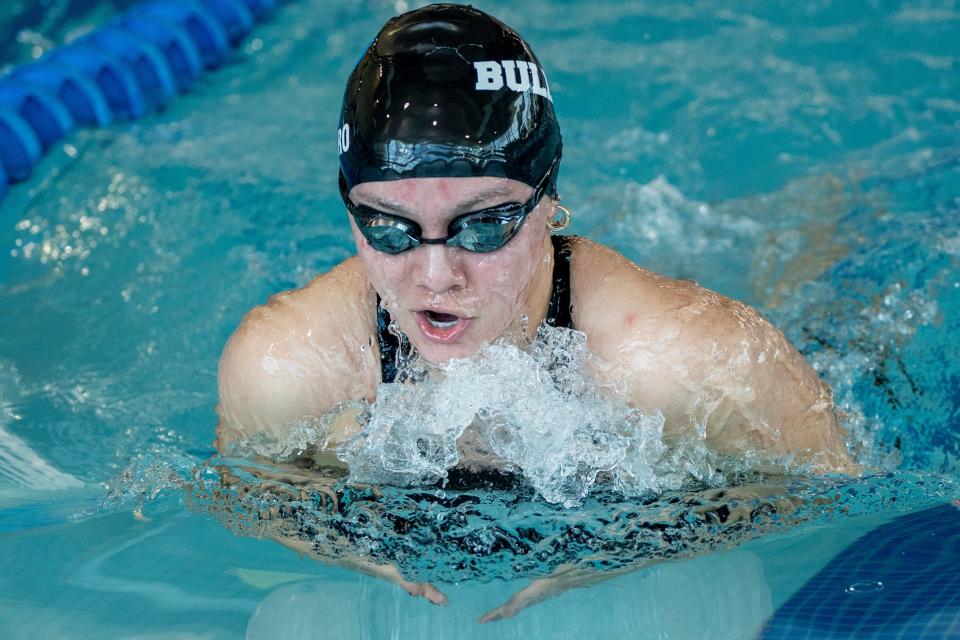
(617, 302)
(301, 353)
(335, 310)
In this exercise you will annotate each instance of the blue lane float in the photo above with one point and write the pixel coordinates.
(111, 75)
(131, 66)
(207, 32)
(234, 15)
(41, 110)
(176, 45)
(77, 92)
(261, 8)
(149, 66)
(20, 147)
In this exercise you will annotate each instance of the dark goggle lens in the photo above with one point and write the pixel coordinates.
(479, 232)
(389, 238)
(479, 237)
(485, 233)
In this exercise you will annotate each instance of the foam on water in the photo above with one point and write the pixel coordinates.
(535, 412)
(660, 225)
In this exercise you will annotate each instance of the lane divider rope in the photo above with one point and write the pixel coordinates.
(133, 65)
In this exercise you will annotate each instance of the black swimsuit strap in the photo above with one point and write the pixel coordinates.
(558, 312)
(393, 342)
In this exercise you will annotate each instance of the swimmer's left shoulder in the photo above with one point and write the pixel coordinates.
(626, 309)
(612, 295)
(598, 270)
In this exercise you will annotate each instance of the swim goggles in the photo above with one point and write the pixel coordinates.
(480, 231)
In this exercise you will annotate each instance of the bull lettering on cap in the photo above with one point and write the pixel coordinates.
(517, 75)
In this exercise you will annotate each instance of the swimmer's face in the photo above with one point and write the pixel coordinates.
(448, 301)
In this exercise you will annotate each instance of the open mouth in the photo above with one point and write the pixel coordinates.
(441, 320)
(440, 327)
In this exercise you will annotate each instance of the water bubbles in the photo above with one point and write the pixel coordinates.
(535, 412)
(951, 245)
(870, 586)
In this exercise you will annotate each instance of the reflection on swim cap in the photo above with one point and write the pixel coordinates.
(448, 91)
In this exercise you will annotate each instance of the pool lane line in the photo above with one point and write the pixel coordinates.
(133, 65)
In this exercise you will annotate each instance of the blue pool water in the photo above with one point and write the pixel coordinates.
(801, 156)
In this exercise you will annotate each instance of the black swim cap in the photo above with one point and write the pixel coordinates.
(448, 91)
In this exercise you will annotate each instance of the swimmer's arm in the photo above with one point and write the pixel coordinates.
(776, 401)
(261, 391)
(720, 508)
(275, 373)
(563, 579)
(702, 360)
(387, 572)
(732, 371)
(297, 482)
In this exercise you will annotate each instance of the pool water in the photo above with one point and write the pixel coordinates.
(801, 156)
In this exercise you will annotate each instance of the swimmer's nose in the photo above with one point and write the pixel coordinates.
(439, 268)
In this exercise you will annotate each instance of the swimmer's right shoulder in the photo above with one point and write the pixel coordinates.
(297, 356)
(331, 297)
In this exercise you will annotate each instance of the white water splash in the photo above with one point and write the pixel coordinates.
(533, 412)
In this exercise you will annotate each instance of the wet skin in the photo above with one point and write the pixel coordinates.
(661, 344)
(709, 364)
(481, 296)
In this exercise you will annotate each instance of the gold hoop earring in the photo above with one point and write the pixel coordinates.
(562, 222)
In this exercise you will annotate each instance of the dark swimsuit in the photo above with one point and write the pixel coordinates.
(558, 312)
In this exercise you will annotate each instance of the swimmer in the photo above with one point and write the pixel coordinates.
(449, 162)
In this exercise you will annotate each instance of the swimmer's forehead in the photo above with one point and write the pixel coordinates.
(456, 194)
